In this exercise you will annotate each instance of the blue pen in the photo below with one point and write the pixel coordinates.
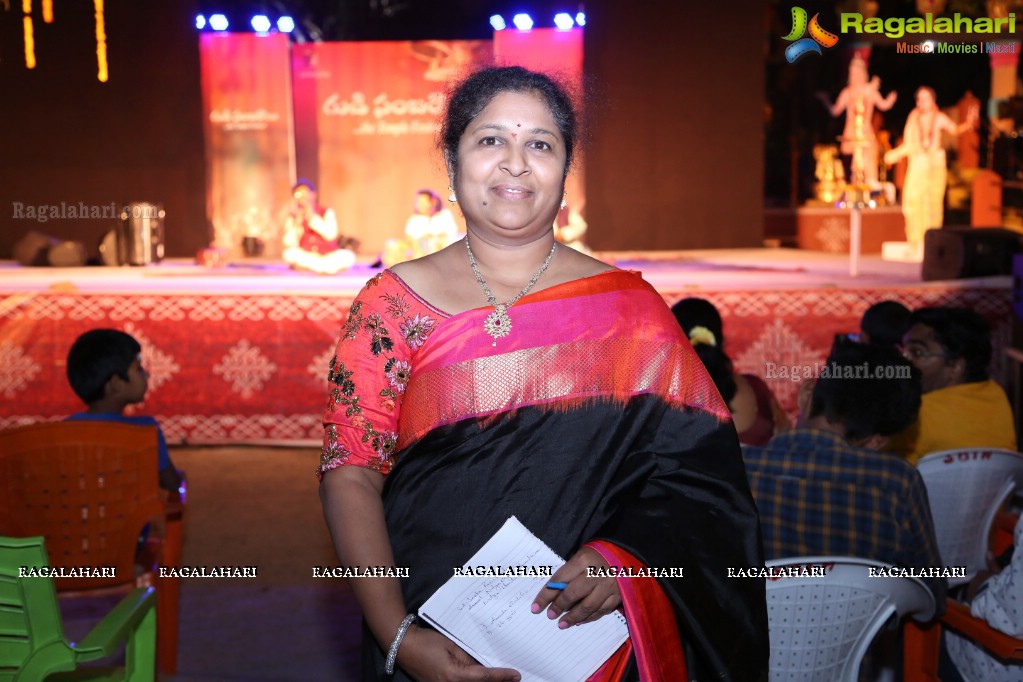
(556, 586)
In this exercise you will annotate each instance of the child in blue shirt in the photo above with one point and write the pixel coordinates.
(104, 367)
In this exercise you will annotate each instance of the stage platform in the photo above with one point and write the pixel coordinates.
(239, 354)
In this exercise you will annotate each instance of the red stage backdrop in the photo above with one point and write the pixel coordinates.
(368, 115)
(246, 91)
(559, 53)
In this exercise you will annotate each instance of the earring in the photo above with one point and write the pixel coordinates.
(451, 197)
(564, 201)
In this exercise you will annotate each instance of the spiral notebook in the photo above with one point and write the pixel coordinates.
(488, 614)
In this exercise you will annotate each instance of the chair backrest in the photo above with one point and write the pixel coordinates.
(31, 625)
(821, 625)
(88, 487)
(965, 488)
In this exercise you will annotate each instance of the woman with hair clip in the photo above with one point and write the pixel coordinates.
(755, 410)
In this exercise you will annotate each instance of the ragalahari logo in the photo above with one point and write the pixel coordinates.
(818, 36)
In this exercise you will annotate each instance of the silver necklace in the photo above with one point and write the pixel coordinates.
(498, 324)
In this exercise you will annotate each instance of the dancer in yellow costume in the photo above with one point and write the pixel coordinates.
(923, 192)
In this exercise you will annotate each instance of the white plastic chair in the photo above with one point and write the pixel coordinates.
(821, 627)
(966, 487)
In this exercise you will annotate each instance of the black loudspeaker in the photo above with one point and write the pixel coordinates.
(959, 252)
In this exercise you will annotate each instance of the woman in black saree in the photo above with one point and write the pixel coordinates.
(508, 375)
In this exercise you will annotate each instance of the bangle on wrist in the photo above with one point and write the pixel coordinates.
(392, 653)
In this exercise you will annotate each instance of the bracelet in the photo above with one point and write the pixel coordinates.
(392, 653)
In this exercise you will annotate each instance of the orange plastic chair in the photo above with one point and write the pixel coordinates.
(1005, 647)
(89, 488)
(958, 617)
(1002, 531)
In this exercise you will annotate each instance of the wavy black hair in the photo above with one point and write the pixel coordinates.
(472, 95)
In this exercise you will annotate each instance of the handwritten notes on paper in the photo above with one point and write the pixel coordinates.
(485, 609)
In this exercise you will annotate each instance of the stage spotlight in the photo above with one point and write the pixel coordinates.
(261, 23)
(523, 22)
(497, 21)
(200, 21)
(563, 21)
(218, 22)
(285, 24)
(580, 19)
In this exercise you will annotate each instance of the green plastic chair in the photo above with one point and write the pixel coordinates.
(32, 643)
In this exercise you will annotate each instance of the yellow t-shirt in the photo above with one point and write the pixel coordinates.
(963, 416)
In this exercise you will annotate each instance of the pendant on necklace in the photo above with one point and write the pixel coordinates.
(498, 324)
